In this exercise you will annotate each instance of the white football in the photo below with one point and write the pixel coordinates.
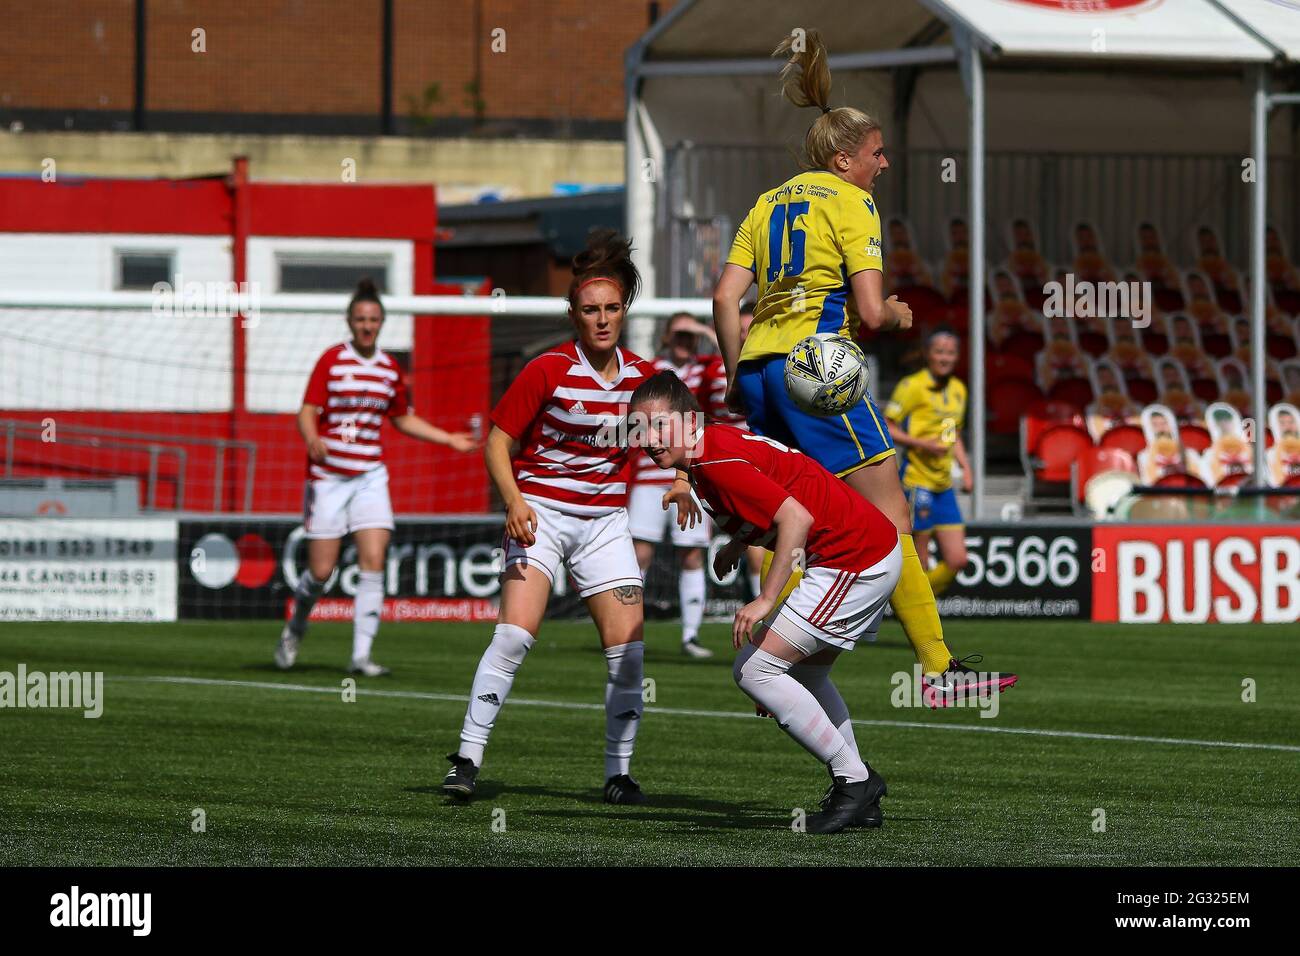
(826, 374)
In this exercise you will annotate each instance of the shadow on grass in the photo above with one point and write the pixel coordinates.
(704, 812)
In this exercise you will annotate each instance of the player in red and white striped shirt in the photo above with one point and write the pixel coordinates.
(649, 522)
(565, 492)
(352, 390)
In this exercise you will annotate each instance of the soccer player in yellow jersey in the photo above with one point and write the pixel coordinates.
(925, 418)
(813, 246)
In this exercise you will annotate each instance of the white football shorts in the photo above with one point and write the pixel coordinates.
(332, 507)
(838, 607)
(597, 551)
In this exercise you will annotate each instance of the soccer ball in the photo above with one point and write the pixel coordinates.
(826, 374)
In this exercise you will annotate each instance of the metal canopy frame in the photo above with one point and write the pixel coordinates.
(969, 47)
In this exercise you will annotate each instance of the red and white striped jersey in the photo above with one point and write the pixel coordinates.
(713, 393)
(566, 418)
(356, 395)
(692, 373)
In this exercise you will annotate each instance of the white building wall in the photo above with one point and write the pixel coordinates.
(111, 361)
(115, 361)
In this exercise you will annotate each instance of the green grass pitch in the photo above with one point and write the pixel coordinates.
(287, 776)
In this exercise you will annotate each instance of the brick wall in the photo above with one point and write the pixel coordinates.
(562, 62)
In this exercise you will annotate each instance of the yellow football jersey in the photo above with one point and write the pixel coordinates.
(926, 411)
(803, 240)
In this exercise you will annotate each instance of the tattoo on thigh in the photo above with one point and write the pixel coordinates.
(628, 594)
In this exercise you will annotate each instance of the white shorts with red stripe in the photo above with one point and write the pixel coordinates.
(332, 507)
(839, 607)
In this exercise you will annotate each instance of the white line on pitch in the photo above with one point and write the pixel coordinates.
(684, 712)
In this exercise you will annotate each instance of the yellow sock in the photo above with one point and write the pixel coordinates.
(795, 577)
(914, 606)
(940, 577)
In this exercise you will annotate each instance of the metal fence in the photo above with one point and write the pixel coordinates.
(709, 188)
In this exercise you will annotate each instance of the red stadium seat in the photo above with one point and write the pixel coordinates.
(1094, 343)
(1179, 480)
(1142, 390)
(1231, 481)
(1206, 389)
(1093, 461)
(1228, 300)
(1216, 344)
(1169, 300)
(1272, 392)
(1074, 391)
(1008, 400)
(1062, 412)
(1035, 297)
(1157, 343)
(1023, 344)
(1059, 446)
(1001, 367)
(1195, 437)
(1035, 423)
(1288, 301)
(928, 306)
(1129, 438)
(1280, 347)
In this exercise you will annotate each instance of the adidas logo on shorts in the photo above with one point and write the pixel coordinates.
(490, 699)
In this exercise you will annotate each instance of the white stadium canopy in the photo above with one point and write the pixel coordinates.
(1073, 76)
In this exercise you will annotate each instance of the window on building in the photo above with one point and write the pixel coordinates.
(141, 270)
(315, 274)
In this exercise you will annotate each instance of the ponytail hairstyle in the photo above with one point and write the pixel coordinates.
(367, 291)
(806, 81)
(607, 256)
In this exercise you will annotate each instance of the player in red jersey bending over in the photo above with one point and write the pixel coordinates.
(761, 492)
(646, 515)
(353, 388)
(566, 494)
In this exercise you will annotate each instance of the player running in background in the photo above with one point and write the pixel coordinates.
(713, 398)
(925, 416)
(813, 245)
(565, 493)
(352, 389)
(680, 354)
(761, 492)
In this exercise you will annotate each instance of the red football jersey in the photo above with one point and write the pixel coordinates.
(557, 408)
(357, 394)
(712, 393)
(743, 479)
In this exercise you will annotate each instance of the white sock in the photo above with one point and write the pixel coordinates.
(690, 588)
(366, 609)
(755, 584)
(492, 681)
(817, 678)
(623, 705)
(305, 596)
(765, 678)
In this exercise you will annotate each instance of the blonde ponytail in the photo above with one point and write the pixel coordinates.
(805, 82)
